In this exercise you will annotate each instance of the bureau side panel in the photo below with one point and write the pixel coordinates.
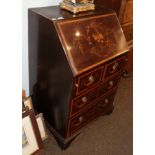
(50, 77)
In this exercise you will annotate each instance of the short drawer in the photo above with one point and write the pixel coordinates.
(114, 67)
(87, 80)
(85, 100)
(128, 31)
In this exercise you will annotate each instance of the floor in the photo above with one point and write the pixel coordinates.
(109, 135)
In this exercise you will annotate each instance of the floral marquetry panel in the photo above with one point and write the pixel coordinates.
(91, 40)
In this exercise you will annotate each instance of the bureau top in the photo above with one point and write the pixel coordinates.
(87, 39)
(55, 12)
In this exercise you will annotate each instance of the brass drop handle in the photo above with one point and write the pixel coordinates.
(111, 83)
(81, 104)
(80, 120)
(106, 101)
(91, 80)
(115, 66)
(84, 99)
(76, 85)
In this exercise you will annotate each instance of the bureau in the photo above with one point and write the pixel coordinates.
(75, 63)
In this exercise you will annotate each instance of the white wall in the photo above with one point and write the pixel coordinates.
(25, 5)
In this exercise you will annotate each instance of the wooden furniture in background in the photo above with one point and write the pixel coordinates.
(124, 10)
(75, 63)
(23, 97)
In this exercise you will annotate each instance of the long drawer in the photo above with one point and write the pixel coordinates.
(87, 99)
(83, 118)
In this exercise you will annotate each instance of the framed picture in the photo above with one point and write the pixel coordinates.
(28, 102)
(41, 126)
(31, 139)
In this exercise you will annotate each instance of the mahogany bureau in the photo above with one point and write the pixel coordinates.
(75, 63)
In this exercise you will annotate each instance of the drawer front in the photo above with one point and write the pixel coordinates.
(88, 80)
(84, 101)
(82, 119)
(128, 31)
(114, 67)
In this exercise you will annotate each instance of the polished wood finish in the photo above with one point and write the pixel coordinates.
(126, 19)
(88, 98)
(92, 40)
(113, 4)
(86, 116)
(89, 79)
(129, 64)
(75, 63)
(128, 32)
(124, 10)
(114, 67)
